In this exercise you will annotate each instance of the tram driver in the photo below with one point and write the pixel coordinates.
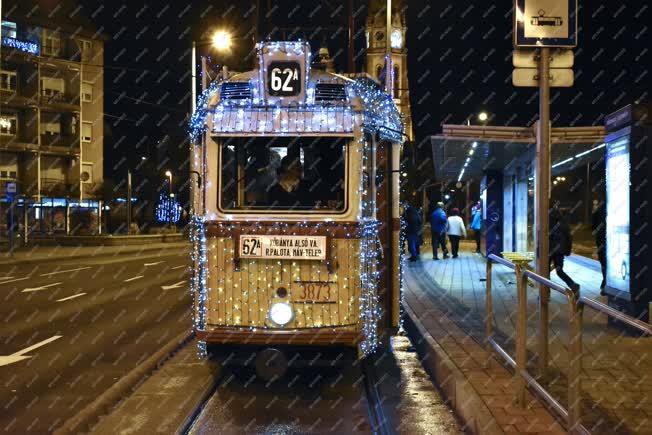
(290, 188)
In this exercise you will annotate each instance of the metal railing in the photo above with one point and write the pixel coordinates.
(576, 305)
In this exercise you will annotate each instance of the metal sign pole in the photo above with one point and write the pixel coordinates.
(11, 224)
(542, 205)
(129, 218)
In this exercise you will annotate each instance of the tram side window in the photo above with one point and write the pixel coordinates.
(283, 173)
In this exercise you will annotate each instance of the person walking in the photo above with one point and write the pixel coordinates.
(438, 231)
(413, 230)
(561, 245)
(455, 229)
(476, 226)
(599, 227)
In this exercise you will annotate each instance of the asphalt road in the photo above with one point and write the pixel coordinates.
(71, 329)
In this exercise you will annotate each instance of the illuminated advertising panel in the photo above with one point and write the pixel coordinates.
(618, 183)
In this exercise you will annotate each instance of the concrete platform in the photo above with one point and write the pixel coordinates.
(448, 296)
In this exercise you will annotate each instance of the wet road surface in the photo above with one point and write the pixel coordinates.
(71, 329)
(333, 400)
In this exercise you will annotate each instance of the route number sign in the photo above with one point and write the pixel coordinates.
(283, 79)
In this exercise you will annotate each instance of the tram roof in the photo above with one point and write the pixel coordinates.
(504, 148)
(323, 103)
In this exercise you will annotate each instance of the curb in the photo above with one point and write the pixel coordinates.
(83, 420)
(128, 249)
(458, 391)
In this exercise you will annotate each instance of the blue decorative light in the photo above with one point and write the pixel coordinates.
(380, 112)
(167, 209)
(26, 46)
(199, 279)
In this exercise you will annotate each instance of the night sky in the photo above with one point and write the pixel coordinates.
(459, 54)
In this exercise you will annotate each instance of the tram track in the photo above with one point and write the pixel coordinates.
(344, 399)
(377, 415)
(382, 394)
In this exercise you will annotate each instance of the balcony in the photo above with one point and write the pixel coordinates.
(59, 100)
(58, 140)
(16, 99)
(58, 188)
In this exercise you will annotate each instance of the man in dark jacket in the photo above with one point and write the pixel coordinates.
(438, 222)
(561, 244)
(413, 229)
(599, 227)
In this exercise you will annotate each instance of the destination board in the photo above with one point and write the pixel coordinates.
(283, 247)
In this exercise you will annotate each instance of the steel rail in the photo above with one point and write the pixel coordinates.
(377, 418)
(631, 321)
(572, 416)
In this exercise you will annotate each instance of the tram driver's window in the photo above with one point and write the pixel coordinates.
(283, 173)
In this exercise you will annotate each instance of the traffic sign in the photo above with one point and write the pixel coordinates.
(10, 187)
(545, 23)
(528, 58)
(529, 77)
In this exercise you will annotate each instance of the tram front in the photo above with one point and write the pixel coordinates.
(288, 247)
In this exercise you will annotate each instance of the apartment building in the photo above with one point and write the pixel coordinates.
(51, 107)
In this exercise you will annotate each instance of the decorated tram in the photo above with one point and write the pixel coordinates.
(296, 224)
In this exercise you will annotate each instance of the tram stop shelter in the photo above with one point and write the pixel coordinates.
(503, 158)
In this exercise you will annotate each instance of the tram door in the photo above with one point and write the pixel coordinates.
(384, 216)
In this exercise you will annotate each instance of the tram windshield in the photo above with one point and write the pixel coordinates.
(283, 173)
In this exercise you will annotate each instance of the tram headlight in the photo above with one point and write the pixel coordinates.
(281, 313)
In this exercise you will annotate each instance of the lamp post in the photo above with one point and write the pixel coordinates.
(168, 174)
(221, 41)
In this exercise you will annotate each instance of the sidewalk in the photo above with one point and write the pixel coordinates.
(617, 370)
(43, 254)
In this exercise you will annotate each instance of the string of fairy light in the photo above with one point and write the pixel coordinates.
(244, 287)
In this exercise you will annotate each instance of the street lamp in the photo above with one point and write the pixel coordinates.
(482, 116)
(169, 175)
(221, 40)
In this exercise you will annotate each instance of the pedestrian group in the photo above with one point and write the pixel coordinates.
(442, 226)
(452, 226)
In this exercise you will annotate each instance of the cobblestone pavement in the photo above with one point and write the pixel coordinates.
(616, 367)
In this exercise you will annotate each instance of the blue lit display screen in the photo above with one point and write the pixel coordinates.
(618, 182)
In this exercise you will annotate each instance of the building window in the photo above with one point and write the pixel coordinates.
(8, 125)
(52, 86)
(396, 39)
(85, 47)
(8, 80)
(379, 71)
(87, 173)
(9, 29)
(397, 78)
(87, 92)
(51, 42)
(87, 131)
(51, 127)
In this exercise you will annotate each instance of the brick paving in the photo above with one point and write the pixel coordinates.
(616, 368)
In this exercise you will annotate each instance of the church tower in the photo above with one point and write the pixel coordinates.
(376, 39)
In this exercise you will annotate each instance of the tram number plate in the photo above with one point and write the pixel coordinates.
(318, 292)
